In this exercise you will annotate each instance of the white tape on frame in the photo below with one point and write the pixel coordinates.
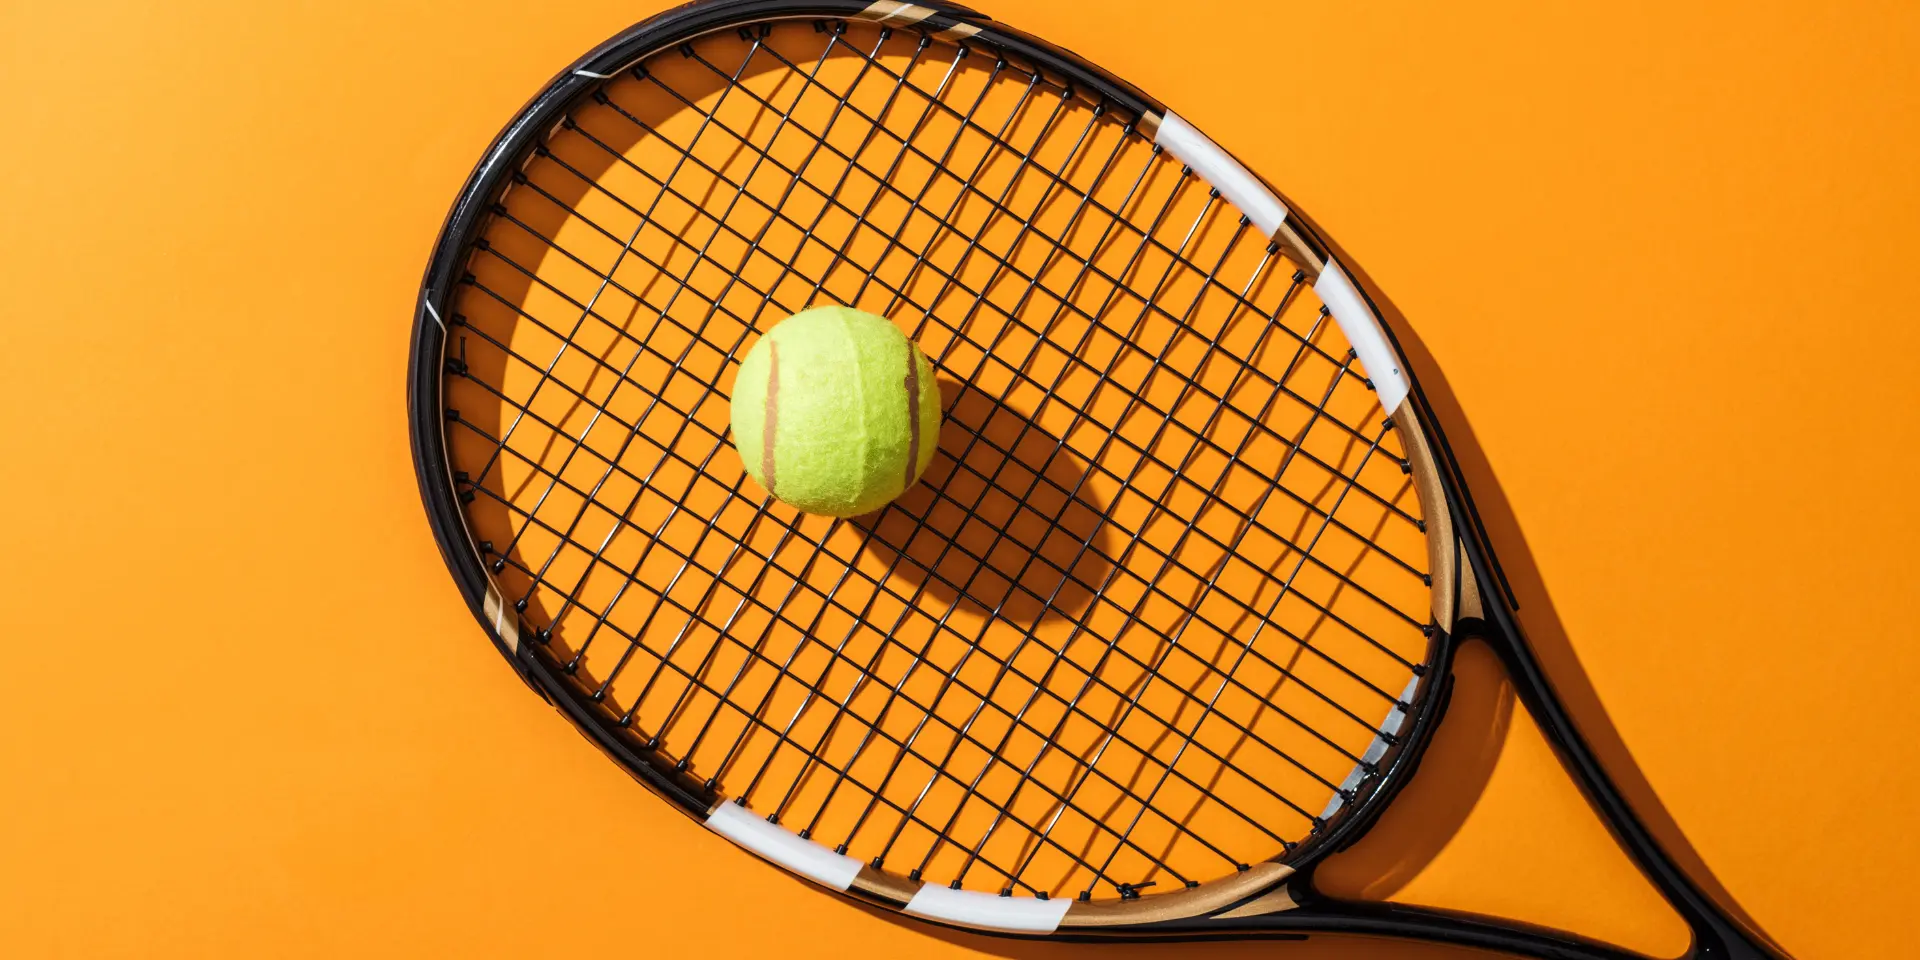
(783, 846)
(1362, 329)
(1217, 167)
(972, 908)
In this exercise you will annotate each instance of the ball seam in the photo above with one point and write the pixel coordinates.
(772, 415)
(913, 415)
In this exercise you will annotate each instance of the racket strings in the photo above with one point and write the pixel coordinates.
(977, 438)
(555, 480)
(1056, 180)
(896, 294)
(1032, 81)
(907, 815)
(1019, 716)
(1090, 765)
(649, 680)
(599, 691)
(845, 678)
(525, 270)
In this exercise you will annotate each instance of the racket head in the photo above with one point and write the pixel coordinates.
(1236, 639)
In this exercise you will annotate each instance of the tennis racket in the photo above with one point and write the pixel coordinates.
(1168, 620)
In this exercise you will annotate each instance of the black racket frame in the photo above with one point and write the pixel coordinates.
(1716, 935)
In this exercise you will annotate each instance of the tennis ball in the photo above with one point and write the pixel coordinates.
(835, 411)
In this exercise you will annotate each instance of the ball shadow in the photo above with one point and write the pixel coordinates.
(1004, 521)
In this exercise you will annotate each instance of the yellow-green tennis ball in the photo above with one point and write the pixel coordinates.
(835, 411)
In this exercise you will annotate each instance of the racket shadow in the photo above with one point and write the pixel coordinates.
(1320, 948)
(1546, 634)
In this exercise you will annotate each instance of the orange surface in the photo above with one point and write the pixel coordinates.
(247, 714)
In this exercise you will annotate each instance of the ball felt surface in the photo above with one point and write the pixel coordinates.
(835, 411)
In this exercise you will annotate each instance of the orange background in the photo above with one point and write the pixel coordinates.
(1664, 257)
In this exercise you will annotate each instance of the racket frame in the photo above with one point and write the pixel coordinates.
(1275, 899)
